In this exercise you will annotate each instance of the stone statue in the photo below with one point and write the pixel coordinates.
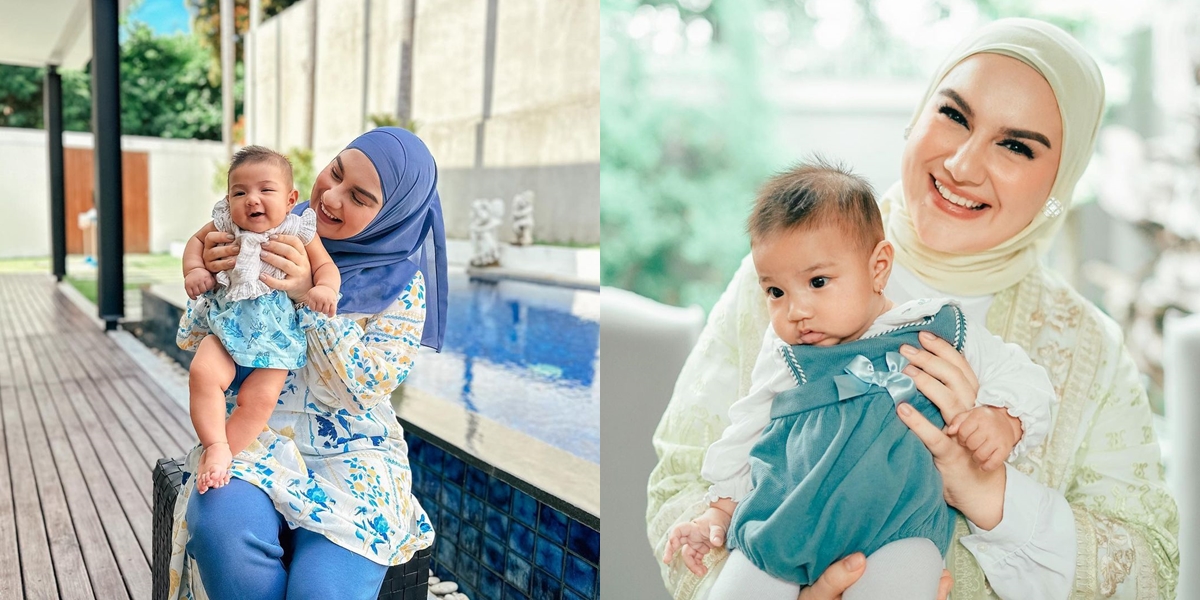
(522, 213)
(486, 216)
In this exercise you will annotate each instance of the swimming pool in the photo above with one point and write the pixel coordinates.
(524, 355)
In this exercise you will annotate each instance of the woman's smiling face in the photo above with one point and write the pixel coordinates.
(346, 195)
(981, 159)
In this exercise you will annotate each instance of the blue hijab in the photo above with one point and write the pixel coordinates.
(406, 236)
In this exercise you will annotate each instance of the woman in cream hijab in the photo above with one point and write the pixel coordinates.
(993, 154)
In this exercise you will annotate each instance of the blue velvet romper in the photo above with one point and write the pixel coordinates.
(832, 477)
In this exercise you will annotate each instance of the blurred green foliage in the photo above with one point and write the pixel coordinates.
(677, 181)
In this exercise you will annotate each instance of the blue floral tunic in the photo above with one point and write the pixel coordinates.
(333, 457)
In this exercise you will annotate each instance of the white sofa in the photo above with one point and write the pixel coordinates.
(643, 345)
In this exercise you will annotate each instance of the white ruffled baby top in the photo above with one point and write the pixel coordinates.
(242, 280)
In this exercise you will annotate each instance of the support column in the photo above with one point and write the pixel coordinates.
(106, 125)
(58, 202)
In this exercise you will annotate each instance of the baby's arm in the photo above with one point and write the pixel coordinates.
(196, 278)
(1012, 413)
(727, 462)
(327, 279)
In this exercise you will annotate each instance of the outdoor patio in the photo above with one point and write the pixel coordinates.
(82, 426)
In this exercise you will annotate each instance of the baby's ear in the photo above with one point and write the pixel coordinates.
(293, 197)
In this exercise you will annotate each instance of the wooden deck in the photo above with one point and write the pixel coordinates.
(81, 426)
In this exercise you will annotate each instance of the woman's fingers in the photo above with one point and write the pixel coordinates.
(942, 397)
(939, 443)
(946, 351)
(945, 584)
(946, 371)
(837, 578)
(289, 267)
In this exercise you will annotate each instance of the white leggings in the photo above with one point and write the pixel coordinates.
(907, 569)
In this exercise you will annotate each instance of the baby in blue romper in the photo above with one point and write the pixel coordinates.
(256, 338)
(815, 464)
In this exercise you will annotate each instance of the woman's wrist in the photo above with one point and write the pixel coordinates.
(985, 505)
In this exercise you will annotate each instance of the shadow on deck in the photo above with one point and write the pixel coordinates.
(81, 426)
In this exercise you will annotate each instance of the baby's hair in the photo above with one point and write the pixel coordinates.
(814, 193)
(257, 154)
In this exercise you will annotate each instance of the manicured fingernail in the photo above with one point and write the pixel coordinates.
(229, 236)
(905, 408)
(273, 236)
(926, 335)
(907, 350)
(855, 561)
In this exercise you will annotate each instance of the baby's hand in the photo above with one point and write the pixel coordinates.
(695, 538)
(198, 281)
(987, 431)
(322, 299)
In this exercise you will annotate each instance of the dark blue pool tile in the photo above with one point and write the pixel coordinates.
(553, 525)
(447, 554)
(497, 524)
(449, 527)
(512, 593)
(543, 586)
(433, 457)
(477, 482)
(470, 540)
(416, 447)
(524, 508)
(432, 486)
(493, 554)
(517, 572)
(549, 556)
(520, 540)
(453, 468)
(584, 541)
(499, 494)
(580, 575)
(468, 570)
(431, 509)
(472, 510)
(490, 585)
(570, 595)
(451, 497)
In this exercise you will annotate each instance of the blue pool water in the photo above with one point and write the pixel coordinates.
(522, 354)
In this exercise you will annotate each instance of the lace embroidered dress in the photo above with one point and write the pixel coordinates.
(256, 324)
(333, 458)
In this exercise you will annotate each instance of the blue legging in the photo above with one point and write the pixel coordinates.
(245, 550)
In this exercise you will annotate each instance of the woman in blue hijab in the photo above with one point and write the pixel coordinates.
(320, 503)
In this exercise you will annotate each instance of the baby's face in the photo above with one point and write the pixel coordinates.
(260, 196)
(818, 284)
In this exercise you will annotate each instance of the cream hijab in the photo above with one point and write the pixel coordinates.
(1076, 82)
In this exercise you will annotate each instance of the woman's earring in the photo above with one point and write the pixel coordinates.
(1053, 208)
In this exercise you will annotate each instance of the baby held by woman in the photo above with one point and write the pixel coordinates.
(816, 464)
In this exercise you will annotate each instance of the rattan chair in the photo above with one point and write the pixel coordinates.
(409, 581)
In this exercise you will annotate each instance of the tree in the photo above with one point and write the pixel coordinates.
(207, 27)
(164, 90)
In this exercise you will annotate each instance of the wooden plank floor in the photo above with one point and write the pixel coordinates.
(81, 426)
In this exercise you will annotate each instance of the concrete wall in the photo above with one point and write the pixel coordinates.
(505, 92)
(180, 187)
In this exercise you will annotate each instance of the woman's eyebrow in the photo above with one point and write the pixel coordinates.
(1026, 134)
(1007, 131)
(374, 200)
(962, 104)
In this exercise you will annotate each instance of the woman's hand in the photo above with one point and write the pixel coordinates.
(287, 253)
(220, 252)
(844, 573)
(943, 375)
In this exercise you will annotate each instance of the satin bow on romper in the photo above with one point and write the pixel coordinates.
(836, 471)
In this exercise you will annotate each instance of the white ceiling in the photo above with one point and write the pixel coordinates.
(37, 33)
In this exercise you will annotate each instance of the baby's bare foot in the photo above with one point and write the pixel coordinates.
(214, 467)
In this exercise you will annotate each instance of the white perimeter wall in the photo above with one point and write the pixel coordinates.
(180, 174)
